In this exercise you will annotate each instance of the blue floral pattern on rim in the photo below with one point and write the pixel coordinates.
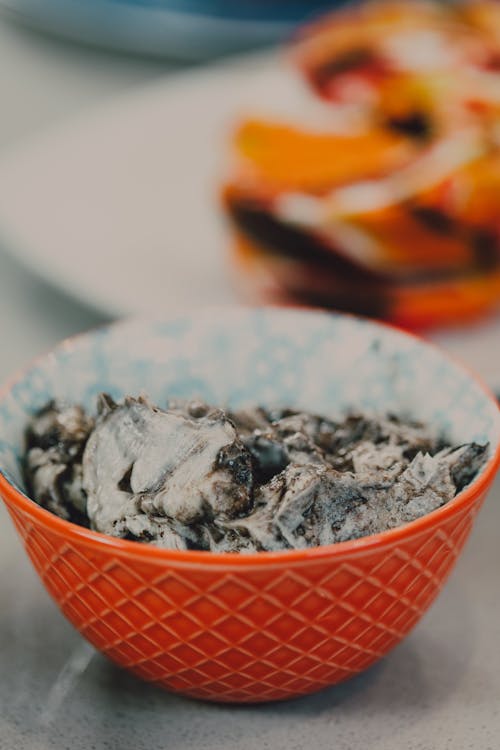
(324, 362)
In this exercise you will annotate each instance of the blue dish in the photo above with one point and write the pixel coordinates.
(186, 29)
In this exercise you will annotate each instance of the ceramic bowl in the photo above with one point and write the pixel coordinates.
(262, 626)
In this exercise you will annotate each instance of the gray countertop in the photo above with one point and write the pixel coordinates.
(440, 689)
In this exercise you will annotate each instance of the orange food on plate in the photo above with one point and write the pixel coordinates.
(392, 209)
(286, 158)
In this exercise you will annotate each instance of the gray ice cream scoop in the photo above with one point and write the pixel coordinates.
(150, 473)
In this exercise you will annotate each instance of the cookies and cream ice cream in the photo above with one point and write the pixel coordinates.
(192, 476)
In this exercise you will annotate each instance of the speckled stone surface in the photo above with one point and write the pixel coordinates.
(438, 690)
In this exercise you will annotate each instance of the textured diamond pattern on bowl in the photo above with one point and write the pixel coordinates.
(246, 633)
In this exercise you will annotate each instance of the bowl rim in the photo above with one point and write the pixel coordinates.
(338, 550)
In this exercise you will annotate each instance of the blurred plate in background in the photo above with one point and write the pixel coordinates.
(187, 29)
(120, 208)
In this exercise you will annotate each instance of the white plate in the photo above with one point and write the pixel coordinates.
(119, 208)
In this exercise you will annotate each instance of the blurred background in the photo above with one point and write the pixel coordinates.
(161, 155)
(183, 29)
(62, 59)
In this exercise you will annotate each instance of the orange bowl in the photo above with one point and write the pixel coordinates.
(265, 626)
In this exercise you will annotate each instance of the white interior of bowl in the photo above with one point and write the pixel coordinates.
(326, 363)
